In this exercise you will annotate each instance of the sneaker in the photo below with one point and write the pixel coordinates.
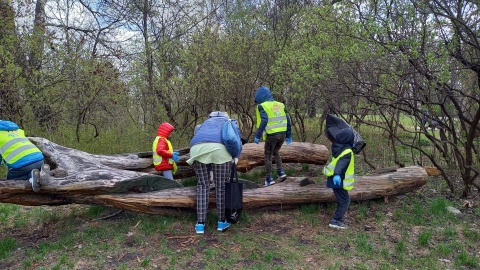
(268, 181)
(35, 180)
(223, 226)
(200, 228)
(45, 174)
(337, 224)
(281, 175)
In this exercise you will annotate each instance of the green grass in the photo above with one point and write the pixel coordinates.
(289, 239)
(424, 238)
(7, 245)
(409, 231)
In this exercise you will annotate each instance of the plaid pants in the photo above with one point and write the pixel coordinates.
(221, 173)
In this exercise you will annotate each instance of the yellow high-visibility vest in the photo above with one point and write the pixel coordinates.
(15, 145)
(277, 118)
(157, 159)
(349, 180)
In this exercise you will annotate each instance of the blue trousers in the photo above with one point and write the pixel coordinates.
(343, 201)
(23, 173)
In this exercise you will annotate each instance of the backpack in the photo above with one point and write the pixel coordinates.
(231, 138)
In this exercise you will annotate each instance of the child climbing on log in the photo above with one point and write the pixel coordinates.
(340, 172)
(164, 158)
(22, 158)
(273, 125)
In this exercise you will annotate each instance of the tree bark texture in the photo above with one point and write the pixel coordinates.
(83, 178)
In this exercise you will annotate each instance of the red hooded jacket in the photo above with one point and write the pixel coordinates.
(162, 150)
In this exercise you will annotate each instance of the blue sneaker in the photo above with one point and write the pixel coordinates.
(281, 175)
(35, 180)
(268, 181)
(223, 226)
(200, 228)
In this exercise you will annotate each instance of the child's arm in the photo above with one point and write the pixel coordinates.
(342, 165)
(162, 148)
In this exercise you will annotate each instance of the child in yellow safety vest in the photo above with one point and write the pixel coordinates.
(164, 158)
(340, 173)
(23, 159)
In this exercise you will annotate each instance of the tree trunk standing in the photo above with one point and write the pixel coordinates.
(10, 89)
(145, 10)
(37, 96)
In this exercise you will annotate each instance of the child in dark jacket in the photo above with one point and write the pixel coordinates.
(340, 174)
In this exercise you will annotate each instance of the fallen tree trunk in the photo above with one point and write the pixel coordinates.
(288, 193)
(83, 178)
(72, 160)
(78, 172)
(283, 194)
(251, 157)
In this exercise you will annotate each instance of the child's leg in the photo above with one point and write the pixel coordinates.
(168, 174)
(343, 200)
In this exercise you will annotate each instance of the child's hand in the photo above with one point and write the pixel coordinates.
(176, 156)
(337, 180)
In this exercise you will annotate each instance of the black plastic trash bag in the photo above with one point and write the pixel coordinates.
(333, 126)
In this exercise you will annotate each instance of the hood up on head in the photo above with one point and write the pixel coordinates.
(263, 94)
(165, 129)
(8, 125)
(345, 136)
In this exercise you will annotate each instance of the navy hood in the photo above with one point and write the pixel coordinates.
(263, 94)
(344, 139)
(345, 136)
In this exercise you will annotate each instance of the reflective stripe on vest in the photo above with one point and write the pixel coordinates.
(15, 145)
(277, 118)
(348, 181)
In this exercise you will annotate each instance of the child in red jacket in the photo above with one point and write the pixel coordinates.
(164, 159)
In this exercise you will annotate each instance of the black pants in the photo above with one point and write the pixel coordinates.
(343, 200)
(273, 143)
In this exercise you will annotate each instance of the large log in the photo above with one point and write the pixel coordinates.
(284, 194)
(79, 172)
(83, 178)
(75, 161)
(252, 156)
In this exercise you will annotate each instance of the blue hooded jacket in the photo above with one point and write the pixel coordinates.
(264, 94)
(26, 160)
(344, 140)
(210, 131)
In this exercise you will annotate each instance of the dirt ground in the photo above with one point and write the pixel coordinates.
(283, 226)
